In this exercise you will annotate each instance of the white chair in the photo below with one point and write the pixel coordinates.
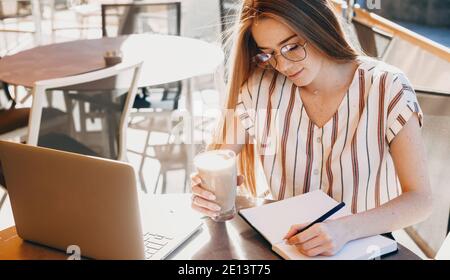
(151, 18)
(14, 116)
(111, 78)
(444, 251)
(83, 11)
(430, 234)
(12, 32)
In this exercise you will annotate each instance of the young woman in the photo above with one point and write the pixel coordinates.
(319, 116)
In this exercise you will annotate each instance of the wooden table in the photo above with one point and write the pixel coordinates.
(166, 59)
(215, 241)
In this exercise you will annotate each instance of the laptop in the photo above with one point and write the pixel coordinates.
(61, 199)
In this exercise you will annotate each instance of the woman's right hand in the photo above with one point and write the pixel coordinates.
(203, 200)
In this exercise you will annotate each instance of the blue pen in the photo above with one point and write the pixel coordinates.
(324, 216)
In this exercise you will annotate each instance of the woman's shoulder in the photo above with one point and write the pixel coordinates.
(378, 68)
(380, 71)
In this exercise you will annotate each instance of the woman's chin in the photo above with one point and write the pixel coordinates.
(300, 82)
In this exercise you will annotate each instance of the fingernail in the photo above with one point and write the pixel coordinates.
(212, 197)
(217, 208)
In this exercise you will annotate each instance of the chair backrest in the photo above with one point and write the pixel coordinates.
(14, 9)
(436, 134)
(444, 251)
(373, 41)
(229, 10)
(96, 107)
(157, 18)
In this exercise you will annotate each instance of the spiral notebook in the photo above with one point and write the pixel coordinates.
(273, 221)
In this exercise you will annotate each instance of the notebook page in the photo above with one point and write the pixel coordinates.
(362, 249)
(274, 220)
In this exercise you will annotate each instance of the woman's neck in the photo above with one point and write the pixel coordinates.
(332, 77)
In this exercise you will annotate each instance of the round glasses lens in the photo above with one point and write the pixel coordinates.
(294, 52)
(263, 60)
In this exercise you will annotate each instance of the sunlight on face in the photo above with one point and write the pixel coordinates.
(271, 35)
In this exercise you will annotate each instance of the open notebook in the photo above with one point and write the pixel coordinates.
(274, 220)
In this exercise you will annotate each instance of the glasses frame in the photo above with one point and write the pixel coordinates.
(283, 50)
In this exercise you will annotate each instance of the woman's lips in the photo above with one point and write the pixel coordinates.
(296, 74)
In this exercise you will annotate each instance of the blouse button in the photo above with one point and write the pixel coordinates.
(316, 171)
(319, 139)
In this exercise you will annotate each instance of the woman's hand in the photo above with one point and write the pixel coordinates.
(325, 239)
(203, 200)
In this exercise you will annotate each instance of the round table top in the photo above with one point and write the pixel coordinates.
(166, 59)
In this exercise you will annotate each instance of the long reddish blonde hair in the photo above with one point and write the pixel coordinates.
(314, 20)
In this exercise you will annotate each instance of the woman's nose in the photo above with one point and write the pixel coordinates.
(282, 63)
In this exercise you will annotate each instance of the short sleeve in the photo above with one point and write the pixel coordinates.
(402, 105)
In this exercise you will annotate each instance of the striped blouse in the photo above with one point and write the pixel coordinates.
(348, 158)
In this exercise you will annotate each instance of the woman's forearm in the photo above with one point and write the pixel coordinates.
(407, 209)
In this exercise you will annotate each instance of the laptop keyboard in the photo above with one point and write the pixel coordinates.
(154, 243)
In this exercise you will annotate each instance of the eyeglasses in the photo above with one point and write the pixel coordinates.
(292, 52)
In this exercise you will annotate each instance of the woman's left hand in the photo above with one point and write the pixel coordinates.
(325, 238)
